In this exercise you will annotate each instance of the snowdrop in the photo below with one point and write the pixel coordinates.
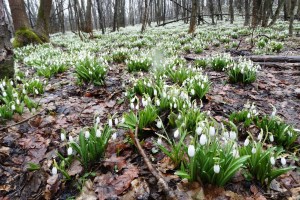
(116, 121)
(98, 133)
(159, 124)
(283, 161)
(271, 138)
(62, 137)
(203, 139)
(87, 134)
(199, 130)
(54, 171)
(70, 151)
(232, 135)
(247, 141)
(212, 131)
(114, 136)
(191, 151)
(159, 141)
(217, 169)
(176, 133)
(110, 122)
(272, 160)
(253, 150)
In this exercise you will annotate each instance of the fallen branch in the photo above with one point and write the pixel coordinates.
(161, 181)
(23, 121)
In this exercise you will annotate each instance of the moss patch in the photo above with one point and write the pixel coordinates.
(7, 68)
(24, 37)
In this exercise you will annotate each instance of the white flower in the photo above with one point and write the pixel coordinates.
(114, 136)
(87, 134)
(199, 130)
(36, 91)
(70, 151)
(176, 133)
(18, 101)
(246, 143)
(191, 151)
(13, 107)
(71, 138)
(155, 92)
(159, 141)
(260, 136)
(157, 102)
(283, 161)
(123, 120)
(54, 171)
(192, 91)
(235, 153)
(132, 106)
(212, 131)
(248, 115)
(272, 160)
(253, 150)
(137, 106)
(4, 94)
(203, 139)
(159, 124)
(110, 123)
(62, 137)
(98, 133)
(217, 169)
(271, 138)
(116, 121)
(97, 120)
(232, 135)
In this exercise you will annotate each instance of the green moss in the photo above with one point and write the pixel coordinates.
(25, 36)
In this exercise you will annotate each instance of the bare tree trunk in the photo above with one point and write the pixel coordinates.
(6, 55)
(88, 18)
(231, 11)
(116, 9)
(298, 10)
(71, 17)
(42, 24)
(292, 11)
(211, 9)
(220, 9)
(277, 12)
(286, 9)
(99, 5)
(193, 17)
(95, 17)
(247, 13)
(18, 13)
(145, 16)
(256, 12)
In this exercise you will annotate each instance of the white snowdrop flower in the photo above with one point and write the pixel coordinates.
(13, 107)
(159, 141)
(217, 169)
(116, 121)
(98, 133)
(226, 134)
(248, 115)
(132, 106)
(235, 153)
(97, 120)
(71, 138)
(191, 151)
(70, 151)
(18, 78)
(24, 91)
(18, 102)
(203, 139)
(11, 82)
(290, 133)
(175, 105)
(212, 131)
(155, 92)
(4, 94)
(283, 161)
(54, 171)
(246, 143)
(110, 122)
(260, 136)
(179, 116)
(3, 83)
(114, 136)
(159, 124)
(176, 133)
(271, 138)
(137, 106)
(36, 91)
(123, 120)
(62, 137)
(199, 130)
(87, 134)
(253, 150)
(192, 91)
(157, 102)
(232, 135)
(272, 160)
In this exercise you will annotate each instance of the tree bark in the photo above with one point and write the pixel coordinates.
(88, 18)
(145, 16)
(277, 12)
(99, 6)
(292, 10)
(18, 13)
(211, 9)
(6, 55)
(193, 17)
(247, 13)
(231, 11)
(42, 24)
(116, 18)
(256, 12)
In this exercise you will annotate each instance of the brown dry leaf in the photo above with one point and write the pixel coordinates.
(103, 186)
(140, 190)
(113, 161)
(188, 190)
(166, 164)
(87, 192)
(111, 103)
(36, 122)
(295, 194)
(52, 186)
(75, 168)
(5, 151)
(5, 188)
(233, 195)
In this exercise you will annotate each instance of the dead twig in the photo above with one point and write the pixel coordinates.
(161, 181)
(23, 121)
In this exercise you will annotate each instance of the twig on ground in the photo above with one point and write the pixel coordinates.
(23, 121)
(161, 181)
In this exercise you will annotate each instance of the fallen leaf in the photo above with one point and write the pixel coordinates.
(113, 161)
(87, 192)
(75, 168)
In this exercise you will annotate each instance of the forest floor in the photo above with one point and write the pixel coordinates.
(35, 137)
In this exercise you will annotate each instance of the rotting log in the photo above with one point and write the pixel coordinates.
(262, 59)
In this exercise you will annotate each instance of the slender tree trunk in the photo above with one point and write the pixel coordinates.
(286, 9)
(116, 9)
(220, 9)
(256, 9)
(95, 17)
(211, 9)
(145, 16)
(193, 17)
(247, 13)
(231, 11)
(6, 55)
(292, 11)
(43, 20)
(277, 12)
(88, 18)
(99, 6)
(298, 10)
